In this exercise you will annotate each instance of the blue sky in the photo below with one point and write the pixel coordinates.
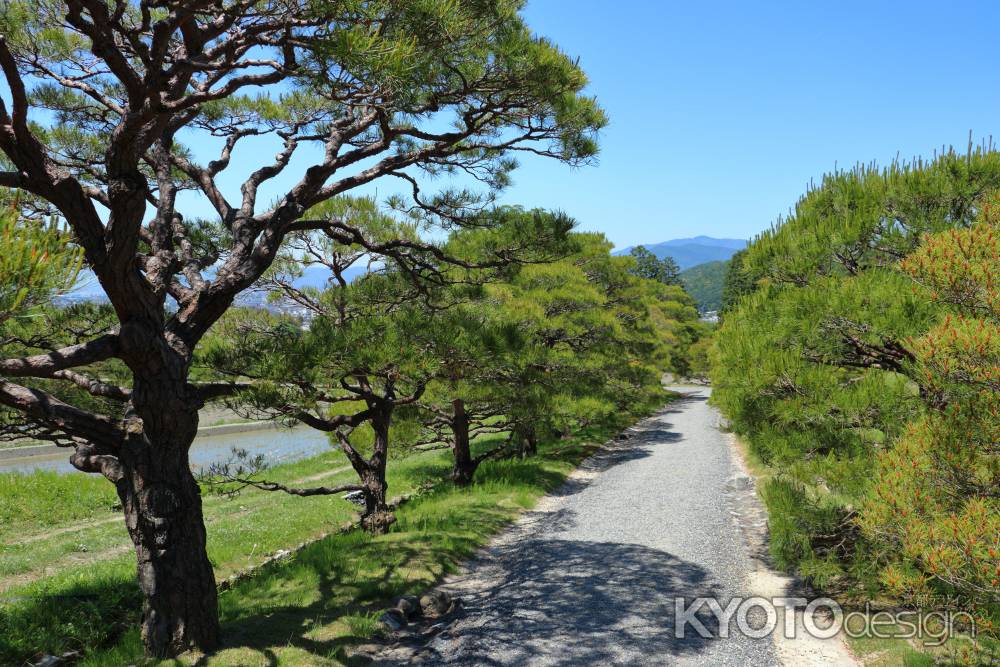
(721, 112)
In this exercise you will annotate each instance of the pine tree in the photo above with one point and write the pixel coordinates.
(820, 367)
(345, 94)
(651, 267)
(371, 347)
(933, 508)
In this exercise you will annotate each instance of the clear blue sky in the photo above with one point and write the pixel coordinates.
(721, 112)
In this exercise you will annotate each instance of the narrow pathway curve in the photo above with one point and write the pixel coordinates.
(590, 576)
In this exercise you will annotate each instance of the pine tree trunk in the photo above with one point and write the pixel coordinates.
(529, 440)
(163, 514)
(377, 517)
(465, 466)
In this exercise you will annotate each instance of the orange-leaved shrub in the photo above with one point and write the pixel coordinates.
(934, 507)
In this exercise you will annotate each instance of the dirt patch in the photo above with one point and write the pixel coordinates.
(321, 475)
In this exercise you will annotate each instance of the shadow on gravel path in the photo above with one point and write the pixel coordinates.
(599, 603)
(591, 576)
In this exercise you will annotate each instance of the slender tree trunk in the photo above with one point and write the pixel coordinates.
(529, 440)
(465, 466)
(163, 513)
(377, 517)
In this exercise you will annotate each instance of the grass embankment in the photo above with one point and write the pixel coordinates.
(69, 587)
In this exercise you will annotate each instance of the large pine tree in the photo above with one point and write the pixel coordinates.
(117, 116)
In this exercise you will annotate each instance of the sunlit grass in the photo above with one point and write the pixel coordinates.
(303, 610)
(43, 498)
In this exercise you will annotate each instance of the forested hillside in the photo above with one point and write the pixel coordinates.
(704, 283)
(861, 365)
(690, 252)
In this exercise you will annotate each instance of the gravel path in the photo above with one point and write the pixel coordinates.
(590, 576)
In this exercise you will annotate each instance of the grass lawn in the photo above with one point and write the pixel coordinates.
(66, 588)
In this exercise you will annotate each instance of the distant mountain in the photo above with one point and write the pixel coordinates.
(704, 284)
(694, 251)
(87, 288)
(735, 244)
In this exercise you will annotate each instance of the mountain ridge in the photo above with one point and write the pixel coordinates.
(690, 252)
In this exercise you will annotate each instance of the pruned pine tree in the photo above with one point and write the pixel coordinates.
(555, 348)
(837, 363)
(370, 346)
(649, 266)
(591, 343)
(139, 125)
(466, 398)
(348, 373)
(813, 364)
(934, 506)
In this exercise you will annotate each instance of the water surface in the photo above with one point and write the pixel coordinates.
(278, 445)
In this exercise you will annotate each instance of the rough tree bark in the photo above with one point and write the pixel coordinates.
(465, 465)
(163, 515)
(162, 504)
(130, 81)
(145, 455)
(377, 516)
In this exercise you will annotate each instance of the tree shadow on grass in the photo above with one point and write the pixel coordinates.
(310, 603)
(598, 601)
(66, 615)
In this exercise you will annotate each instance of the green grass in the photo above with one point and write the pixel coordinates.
(900, 652)
(879, 652)
(305, 610)
(43, 499)
(795, 512)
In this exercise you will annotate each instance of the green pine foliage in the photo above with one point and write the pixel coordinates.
(598, 337)
(933, 508)
(833, 362)
(704, 283)
(36, 263)
(735, 283)
(649, 266)
(532, 349)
